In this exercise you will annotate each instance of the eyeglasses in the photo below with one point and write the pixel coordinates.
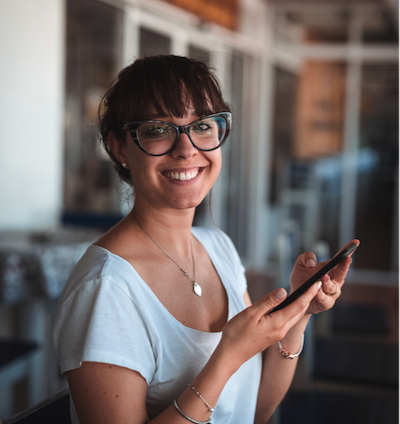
(157, 138)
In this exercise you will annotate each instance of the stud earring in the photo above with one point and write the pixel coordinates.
(123, 165)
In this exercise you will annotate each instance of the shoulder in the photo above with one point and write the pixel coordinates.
(214, 238)
(218, 245)
(103, 316)
(99, 270)
(211, 235)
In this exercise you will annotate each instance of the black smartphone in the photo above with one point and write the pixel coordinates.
(317, 276)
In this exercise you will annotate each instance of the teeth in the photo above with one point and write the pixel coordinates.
(182, 176)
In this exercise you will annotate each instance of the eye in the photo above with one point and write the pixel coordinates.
(157, 130)
(201, 126)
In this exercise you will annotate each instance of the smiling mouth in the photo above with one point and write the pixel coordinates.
(182, 176)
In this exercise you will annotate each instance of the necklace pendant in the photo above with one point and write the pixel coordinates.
(197, 289)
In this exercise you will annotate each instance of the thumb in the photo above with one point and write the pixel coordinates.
(270, 301)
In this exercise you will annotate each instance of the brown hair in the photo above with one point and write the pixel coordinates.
(165, 84)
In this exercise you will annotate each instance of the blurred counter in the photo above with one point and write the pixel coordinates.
(38, 264)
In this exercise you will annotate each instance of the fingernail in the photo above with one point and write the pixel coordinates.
(310, 263)
(280, 294)
(319, 284)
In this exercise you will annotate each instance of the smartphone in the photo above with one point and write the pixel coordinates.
(317, 276)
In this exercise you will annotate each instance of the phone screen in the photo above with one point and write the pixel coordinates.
(317, 276)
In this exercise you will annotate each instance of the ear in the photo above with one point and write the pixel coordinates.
(117, 148)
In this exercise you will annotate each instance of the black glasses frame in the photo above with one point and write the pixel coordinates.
(132, 127)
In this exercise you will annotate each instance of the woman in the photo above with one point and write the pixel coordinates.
(155, 324)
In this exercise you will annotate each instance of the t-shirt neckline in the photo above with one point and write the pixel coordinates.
(154, 296)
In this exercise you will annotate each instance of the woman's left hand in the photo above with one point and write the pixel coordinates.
(332, 283)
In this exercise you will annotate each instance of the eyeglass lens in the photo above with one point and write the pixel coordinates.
(158, 138)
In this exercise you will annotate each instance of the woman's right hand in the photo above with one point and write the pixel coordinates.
(252, 331)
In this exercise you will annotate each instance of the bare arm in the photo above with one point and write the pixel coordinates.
(278, 372)
(104, 393)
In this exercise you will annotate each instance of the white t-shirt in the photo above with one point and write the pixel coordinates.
(108, 314)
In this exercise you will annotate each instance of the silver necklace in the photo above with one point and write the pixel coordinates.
(196, 287)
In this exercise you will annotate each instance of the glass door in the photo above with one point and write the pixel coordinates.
(334, 161)
(376, 194)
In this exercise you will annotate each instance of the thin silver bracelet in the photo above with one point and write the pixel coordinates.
(288, 355)
(188, 418)
(201, 397)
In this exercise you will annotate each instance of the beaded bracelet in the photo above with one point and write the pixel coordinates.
(201, 397)
(288, 355)
(188, 418)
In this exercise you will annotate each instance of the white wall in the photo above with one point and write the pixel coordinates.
(31, 110)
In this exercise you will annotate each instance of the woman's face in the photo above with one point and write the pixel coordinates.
(179, 180)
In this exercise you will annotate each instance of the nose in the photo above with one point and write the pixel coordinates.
(184, 148)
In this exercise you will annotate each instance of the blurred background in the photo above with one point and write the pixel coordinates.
(312, 163)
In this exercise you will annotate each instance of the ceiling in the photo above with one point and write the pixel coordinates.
(330, 20)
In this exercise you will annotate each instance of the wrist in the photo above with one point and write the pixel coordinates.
(224, 362)
(293, 338)
(291, 355)
(199, 400)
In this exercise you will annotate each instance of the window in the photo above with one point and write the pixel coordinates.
(94, 41)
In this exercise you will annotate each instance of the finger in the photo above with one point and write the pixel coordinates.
(340, 270)
(269, 301)
(298, 308)
(325, 301)
(339, 273)
(331, 288)
(355, 241)
(325, 278)
(300, 305)
(308, 260)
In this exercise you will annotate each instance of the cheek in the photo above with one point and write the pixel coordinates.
(141, 171)
(215, 159)
(142, 164)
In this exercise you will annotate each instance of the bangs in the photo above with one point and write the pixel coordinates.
(168, 86)
(162, 85)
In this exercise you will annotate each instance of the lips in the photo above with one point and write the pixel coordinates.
(182, 175)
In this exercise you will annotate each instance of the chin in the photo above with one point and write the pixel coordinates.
(188, 203)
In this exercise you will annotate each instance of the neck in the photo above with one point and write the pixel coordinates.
(171, 229)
